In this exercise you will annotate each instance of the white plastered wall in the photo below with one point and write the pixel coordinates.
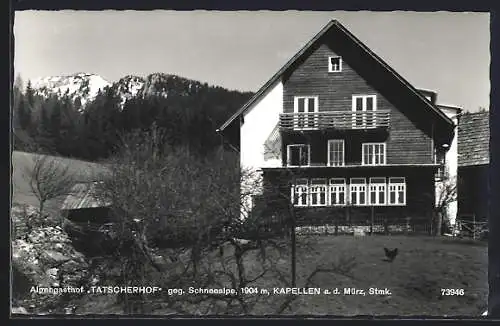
(259, 122)
(451, 164)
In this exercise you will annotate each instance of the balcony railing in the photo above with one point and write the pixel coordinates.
(335, 120)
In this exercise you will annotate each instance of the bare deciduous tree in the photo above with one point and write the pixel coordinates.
(48, 179)
(447, 194)
(178, 224)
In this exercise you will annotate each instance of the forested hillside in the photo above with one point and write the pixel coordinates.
(67, 122)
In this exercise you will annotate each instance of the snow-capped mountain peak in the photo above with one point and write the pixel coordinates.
(82, 85)
(85, 86)
(128, 87)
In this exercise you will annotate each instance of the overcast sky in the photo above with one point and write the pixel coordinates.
(445, 52)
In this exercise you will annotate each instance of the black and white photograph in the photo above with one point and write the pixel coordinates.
(250, 163)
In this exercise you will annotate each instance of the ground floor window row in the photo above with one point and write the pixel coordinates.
(376, 191)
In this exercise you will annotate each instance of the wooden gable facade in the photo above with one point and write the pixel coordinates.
(408, 137)
(337, 99)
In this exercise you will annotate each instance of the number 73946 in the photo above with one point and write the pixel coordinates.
(452, 292)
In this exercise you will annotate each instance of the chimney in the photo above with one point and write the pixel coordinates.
(430, 95)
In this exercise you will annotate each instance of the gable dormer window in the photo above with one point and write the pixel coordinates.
(334, 64)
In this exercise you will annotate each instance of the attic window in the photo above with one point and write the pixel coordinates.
(334, 64)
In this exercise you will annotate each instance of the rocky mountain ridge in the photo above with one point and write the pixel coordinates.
(86, 86)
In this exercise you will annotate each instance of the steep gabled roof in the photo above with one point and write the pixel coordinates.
(84, 195)
(334, 24)
(473, 139)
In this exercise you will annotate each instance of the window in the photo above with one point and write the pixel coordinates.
(380, 191)
(337, 192)
(300, 192)
(298, 155)
(364, 103)
(397, 191)
(440, 159)
(377, 191)
(334, 64)
(358, 191)
(304, 109)
(336, 152)
(363, 107)
(317, 191)
(373, 154)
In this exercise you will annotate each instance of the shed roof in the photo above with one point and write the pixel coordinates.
(84, 195)
(474, 139)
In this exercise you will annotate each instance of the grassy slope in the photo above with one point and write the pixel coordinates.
(423, 266)
(22, 162)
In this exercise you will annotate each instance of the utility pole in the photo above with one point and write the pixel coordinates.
(293, 240)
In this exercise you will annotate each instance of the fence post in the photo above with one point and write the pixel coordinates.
(372, 211)
(407, 229)
(431, 231)
(474, 226)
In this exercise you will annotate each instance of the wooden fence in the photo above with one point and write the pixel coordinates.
(471, 228)
(377, 226)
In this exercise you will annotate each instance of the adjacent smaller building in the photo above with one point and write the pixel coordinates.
(85, 212)
(473, 165)
(84, 204)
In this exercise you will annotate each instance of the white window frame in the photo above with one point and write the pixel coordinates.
(288, 149)
(300, 188)
(357, 189)
(394, 187)
(377, 187)
(364, 111)
(364, 97)
(382, 161)
(310, 123)
(306, 97)
(317, 187)
(338, 141)
(337, 188)
(330, 66)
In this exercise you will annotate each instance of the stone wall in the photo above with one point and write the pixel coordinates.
(43, 257)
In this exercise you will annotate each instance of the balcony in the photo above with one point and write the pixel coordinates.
(340, 120)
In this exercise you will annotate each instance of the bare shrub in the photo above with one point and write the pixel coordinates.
(447, 194)
(177, 221)
(48, 179)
